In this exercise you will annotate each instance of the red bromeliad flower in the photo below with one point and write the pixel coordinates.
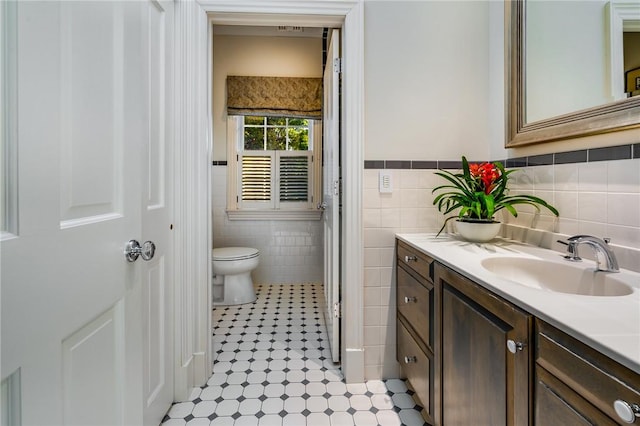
(487, 173)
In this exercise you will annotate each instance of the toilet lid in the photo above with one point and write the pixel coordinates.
(234, 253)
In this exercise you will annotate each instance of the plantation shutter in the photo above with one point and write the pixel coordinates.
(294, 178)
(256, 178)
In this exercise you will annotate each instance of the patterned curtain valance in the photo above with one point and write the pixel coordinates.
(275, 96)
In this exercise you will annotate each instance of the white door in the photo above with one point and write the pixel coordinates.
(157, 179)
(331, 191)
(72, 333)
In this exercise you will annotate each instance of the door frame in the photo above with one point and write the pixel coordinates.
(193, 183)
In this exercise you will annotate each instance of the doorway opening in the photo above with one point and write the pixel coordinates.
(251, 205)
(348, 16)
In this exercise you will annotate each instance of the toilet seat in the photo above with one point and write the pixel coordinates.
(235, 253)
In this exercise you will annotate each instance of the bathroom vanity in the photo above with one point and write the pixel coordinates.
(481, 344)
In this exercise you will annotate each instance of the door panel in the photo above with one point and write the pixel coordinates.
(70, 301)
(481, 381)
(91, 86)
(157, 288)
(331, 196)
(154, 298)
(101, 342)
(473, 373)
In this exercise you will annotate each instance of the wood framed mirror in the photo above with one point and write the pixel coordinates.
(619, 114)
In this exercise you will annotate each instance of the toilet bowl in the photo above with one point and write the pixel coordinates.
(232, 283)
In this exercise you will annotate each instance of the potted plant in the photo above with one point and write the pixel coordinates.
(479, 192)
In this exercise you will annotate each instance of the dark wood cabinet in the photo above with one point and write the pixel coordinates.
(482, 381)
(474, 358)
(558, 404)
(577, 383)
(416, 323)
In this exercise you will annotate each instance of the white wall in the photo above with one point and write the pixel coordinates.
(426, 79)
(290, 251)
(428, 97)
(415, 53)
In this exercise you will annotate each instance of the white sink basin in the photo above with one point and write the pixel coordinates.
(571, 278)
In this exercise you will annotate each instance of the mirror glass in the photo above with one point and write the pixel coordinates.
(566, 58)
(570, 63)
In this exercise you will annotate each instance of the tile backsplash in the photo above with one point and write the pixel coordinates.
(601, 198)
(290, 251)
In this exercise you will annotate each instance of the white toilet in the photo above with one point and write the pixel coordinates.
(232, 266)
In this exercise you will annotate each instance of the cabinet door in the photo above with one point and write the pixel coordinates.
(482, 382)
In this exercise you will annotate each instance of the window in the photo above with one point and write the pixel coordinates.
(274, 173)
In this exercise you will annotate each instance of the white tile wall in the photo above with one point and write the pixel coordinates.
(290, 251)
(601, 199)
(407, 209)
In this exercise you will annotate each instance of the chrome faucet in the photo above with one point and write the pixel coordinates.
(604, 254)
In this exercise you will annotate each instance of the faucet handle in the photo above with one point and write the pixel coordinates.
(572, 249)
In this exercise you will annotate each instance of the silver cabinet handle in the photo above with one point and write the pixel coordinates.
(133, 249)
(410, 359)
(408, 259)
(627, 412)
(514, 346)
(409, 299)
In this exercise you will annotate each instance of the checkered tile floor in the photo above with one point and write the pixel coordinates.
(272, 366)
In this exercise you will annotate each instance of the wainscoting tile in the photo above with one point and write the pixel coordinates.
(590, 207)
(592, 177)
(624, 176)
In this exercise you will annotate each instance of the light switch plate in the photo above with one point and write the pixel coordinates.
(385, 181)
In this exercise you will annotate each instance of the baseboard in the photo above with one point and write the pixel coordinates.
(353, 365)
(201, 373)
(183, 381)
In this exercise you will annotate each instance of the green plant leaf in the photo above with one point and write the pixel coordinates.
(461, 192)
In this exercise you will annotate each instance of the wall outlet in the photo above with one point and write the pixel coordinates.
(385, 180)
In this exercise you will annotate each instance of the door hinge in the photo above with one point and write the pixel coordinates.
(337, 65)
(336, 188)
(336, 310)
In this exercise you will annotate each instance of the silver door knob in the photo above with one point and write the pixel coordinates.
(627, 412)
(514, 346)
(133, 249)
(410, 359)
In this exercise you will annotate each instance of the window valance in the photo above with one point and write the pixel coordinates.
(275, 96)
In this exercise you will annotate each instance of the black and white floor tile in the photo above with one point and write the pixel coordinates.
(272, 367)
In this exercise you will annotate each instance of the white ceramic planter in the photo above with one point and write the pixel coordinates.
(478, 232)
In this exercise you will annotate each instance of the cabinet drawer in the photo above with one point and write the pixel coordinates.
(415, 303)
(590, 374)
(415, 260)
(415, 364)
(557, 404)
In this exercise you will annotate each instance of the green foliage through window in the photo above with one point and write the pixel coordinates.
(276, 133)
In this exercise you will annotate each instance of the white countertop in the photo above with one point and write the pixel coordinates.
(610, 325)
